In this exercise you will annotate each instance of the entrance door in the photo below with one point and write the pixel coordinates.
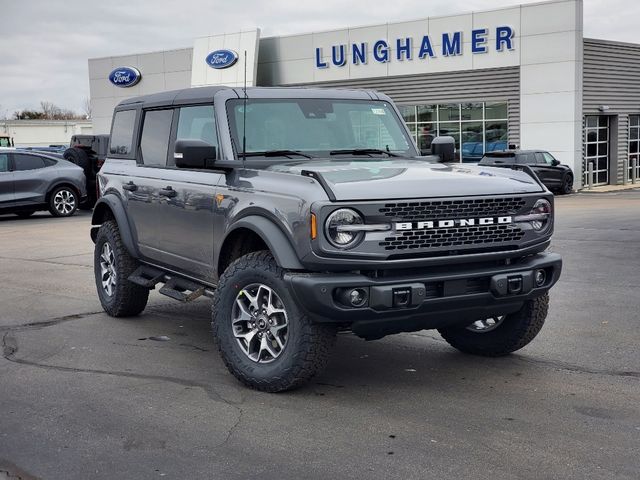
(596, 149)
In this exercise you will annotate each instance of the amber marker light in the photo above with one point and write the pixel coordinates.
(314, 227)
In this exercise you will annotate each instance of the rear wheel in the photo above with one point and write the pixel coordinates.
(264, 339)
(498, 336)
(63, 202)
(112, 266)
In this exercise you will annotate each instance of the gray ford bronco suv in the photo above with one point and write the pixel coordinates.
(304, 212)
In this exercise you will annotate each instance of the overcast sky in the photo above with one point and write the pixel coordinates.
(45, 44)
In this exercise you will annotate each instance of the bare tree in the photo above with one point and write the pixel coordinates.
(86, 107)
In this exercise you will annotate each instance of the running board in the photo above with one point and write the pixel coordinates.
(182, 290)
(177, 288)
(147, 276)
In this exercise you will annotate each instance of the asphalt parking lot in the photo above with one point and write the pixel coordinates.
(84, 396)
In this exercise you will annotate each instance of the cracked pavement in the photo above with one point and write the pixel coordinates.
(83, 395)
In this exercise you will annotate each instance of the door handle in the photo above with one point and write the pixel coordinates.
(168, 192)
(130, 187)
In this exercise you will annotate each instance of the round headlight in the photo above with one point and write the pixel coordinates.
(340, 230)
(541, 214)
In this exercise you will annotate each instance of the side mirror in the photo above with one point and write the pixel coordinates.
(194, 154)
(555, 162)
(445, 148)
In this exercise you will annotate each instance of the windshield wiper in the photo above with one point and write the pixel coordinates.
(362, 151)
(277, 153)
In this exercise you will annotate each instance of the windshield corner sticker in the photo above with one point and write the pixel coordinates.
(378, 111)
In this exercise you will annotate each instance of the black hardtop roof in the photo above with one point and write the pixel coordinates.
(205, 94)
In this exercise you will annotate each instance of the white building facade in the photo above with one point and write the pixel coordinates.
(521, 76)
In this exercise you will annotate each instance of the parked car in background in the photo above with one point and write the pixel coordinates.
(89, 153)
(555, 176)
(6, 141)
(57, 149)
(32, 181)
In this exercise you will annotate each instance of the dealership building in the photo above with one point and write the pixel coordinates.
(521, 76)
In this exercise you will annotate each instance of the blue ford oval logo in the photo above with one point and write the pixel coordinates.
(222, 58)
(125, 76)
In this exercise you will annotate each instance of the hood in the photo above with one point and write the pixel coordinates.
(404, 179)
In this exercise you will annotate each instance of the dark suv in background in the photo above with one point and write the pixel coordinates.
(89, 153)
(555, 176)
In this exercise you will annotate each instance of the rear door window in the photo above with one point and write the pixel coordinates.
(527, 159)
(154, 143)
(27, 162)
(122, 132)
(4, 162)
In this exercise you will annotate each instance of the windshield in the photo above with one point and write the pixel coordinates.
(318, 127)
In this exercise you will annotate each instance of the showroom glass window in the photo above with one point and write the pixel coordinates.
(596, 149)
(477, 127)
(634, 144)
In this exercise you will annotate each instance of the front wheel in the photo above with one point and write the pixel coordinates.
(265, 340)
(567, 185)
(501, 335)
(112, 266)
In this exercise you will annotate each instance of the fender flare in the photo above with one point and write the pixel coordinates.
(113, 203)
(273, 237)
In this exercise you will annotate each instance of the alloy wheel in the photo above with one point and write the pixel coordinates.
(64, 202)
(259, 322)
(107, 269)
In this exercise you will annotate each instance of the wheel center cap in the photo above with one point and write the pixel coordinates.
(262, 322)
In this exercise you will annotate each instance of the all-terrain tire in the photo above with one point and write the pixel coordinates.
(515, 331)
(63, 201)
(127, 298)
(308, 345)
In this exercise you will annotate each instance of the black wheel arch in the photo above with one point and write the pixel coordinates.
(108, 207)
(272, 236)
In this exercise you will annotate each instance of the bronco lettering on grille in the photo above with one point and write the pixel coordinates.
(458, 222)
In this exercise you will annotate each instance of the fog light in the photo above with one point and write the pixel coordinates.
(352, 297)
(541, 277)
(357, 297)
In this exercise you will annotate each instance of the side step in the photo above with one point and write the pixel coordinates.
(182, 290)
(147, 276)
(175, 287)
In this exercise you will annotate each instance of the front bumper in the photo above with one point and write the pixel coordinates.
(434, 298)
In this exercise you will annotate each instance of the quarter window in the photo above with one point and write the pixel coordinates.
(155, 137)
(122, 132)
(4, 162)
(27, 162)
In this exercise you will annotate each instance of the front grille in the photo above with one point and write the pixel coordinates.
(446, 209)
(453, 237)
